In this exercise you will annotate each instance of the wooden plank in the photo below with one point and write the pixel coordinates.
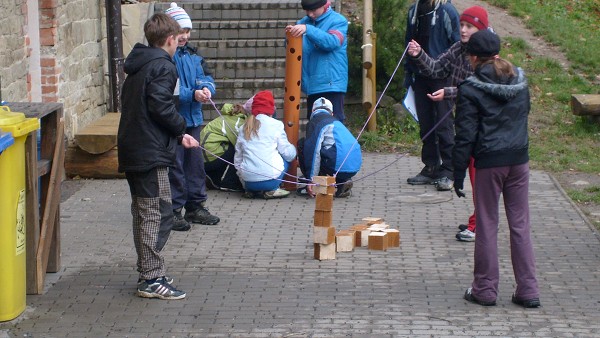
(51, 208)
(585, 104)
(32, 212)
(100, 136)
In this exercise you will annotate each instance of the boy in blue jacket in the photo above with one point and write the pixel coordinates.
(327, 147)
(324, 58)
(196, 86)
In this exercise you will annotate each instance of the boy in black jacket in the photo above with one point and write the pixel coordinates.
(149, 131)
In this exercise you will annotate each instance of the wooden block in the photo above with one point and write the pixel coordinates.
(378, 226)
(83, 164)
(324, 235)
(344, 240)
(324, 251)
(361, 230)
(393, 237)
(378, 241)
(373, 220)
(100, 136)
(585, 104)
(324, 185)
(323, 218)
(324, 202)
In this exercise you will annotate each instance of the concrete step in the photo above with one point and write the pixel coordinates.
(289, 10)
(248, 68)
(240, 29)
(241, 48)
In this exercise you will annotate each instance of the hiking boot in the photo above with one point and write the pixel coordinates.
(462, 227)
(527, 303)
(469, 297)
(420, 179)
(466, 236)
(444, 184)
(201, 216)
(279, 193)
(344, 190)
(179, 223)
(159, 288)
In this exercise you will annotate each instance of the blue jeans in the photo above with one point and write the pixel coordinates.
(268, 185)
(187, 178)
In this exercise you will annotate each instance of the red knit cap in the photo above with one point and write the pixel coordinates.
(476, 16)
(263, 103)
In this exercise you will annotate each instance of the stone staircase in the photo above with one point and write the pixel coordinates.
(243, 42)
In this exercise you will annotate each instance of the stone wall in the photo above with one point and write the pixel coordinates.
(14, 64)
(80, 57)
(66, 62)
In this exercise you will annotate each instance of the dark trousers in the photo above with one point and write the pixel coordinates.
(337, 100)
(513, 183)
(436, 152)
(223, 174)
(152, 219)
(188, 186)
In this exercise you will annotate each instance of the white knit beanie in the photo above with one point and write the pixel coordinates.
(180, 15)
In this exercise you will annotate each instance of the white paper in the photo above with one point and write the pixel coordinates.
(409, 103)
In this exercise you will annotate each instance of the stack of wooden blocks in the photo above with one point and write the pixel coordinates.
(373, 233)
(324, 232)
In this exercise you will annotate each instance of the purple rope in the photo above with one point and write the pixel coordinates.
(373, 110)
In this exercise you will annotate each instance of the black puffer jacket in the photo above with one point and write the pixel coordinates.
(150, 122)
(491, 121)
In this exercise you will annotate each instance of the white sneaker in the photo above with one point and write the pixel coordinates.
(465, 236)
(279, 193)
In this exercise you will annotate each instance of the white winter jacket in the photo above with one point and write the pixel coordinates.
(261, 158)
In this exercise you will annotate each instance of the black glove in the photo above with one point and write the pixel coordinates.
(458, 187)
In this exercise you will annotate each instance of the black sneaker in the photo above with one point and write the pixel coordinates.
(201, 216)
(159, 289)
(469, 297)
(527, 303)
(463, 227)
(179, 222)
(421, 179)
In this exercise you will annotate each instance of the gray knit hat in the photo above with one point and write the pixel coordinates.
(309, 5)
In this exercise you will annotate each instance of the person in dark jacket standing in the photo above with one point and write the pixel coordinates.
(434, 24)
(149, 131)
(196, 86)
(455, 65)
(328, 149)
(324, 56)
(491, 126)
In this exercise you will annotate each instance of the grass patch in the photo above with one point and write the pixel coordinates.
(587, 195)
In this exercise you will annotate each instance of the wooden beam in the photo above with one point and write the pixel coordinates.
(100, 136)
(86, 165)
(51, 208)
(585, 104)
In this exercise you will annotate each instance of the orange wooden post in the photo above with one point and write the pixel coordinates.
(291, 100)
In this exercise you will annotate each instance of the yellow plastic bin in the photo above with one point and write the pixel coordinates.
(12, 213)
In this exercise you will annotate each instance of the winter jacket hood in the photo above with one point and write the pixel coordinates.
(491, 120)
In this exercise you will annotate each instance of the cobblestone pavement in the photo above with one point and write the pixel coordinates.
(253, 275)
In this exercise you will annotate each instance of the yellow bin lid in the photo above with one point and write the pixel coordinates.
(17, 123)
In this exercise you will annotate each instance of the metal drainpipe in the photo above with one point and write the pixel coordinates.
(114, 33)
